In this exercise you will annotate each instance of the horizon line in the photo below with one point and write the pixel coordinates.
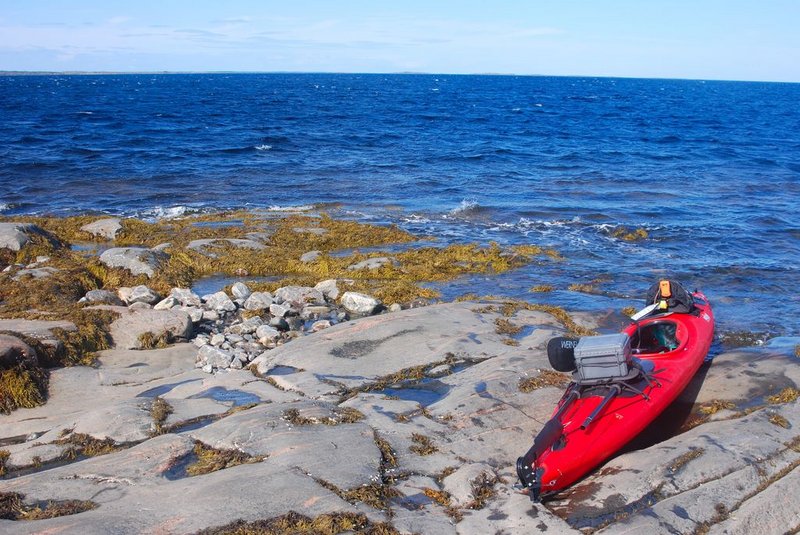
(388, 73)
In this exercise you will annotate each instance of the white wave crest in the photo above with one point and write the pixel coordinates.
(168, 212)
(263, 147)
(415, 218)
(299, 208)
(467, 205)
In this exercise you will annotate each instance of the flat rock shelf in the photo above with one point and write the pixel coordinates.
(146, 442)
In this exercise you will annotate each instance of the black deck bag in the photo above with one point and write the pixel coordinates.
(677, 298)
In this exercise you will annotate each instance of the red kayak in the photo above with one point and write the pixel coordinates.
(620, 384)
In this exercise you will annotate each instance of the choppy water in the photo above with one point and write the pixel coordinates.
(710, 169)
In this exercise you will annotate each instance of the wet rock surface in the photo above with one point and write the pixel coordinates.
(413, 418)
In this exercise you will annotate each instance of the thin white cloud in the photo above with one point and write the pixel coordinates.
(118, 20)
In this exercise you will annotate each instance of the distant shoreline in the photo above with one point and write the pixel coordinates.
(402, 73)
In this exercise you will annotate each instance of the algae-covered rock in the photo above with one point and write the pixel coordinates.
(311, 256)
(102, 297)
(15, 236)
(372, 263)
(137, 260)
(207, 246)
(14, 351)
(104, 228)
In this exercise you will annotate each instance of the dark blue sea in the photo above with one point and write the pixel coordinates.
(710, 169)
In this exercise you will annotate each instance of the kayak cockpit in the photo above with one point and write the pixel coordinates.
(654, 337)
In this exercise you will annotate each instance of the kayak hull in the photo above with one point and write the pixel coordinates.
(571, 448)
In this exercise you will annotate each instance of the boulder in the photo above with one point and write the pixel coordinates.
(186, 297)
(248, 326)
(258, 301)
(128, 328)
(239, 290)
(329, 289)
(137, 260)
(265, 332)
(104, 228)
(320, 325)
(316, 231)
(313, 312)
(299, 295)
(40, 329)
(359, 303)
(14, 351)
(310, 256)
(142, 294)
(279, 323)
(206, 246)
(102, 297)
(279, 311)
(15, 236)
(35, 273)
(195, 313)
(219, 302)
(166, 304)
(212, 356)
(124, 293)
(372, 263)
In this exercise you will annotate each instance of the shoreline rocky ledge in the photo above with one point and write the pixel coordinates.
(374, 421)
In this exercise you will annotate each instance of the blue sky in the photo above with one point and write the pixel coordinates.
(706, 39)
